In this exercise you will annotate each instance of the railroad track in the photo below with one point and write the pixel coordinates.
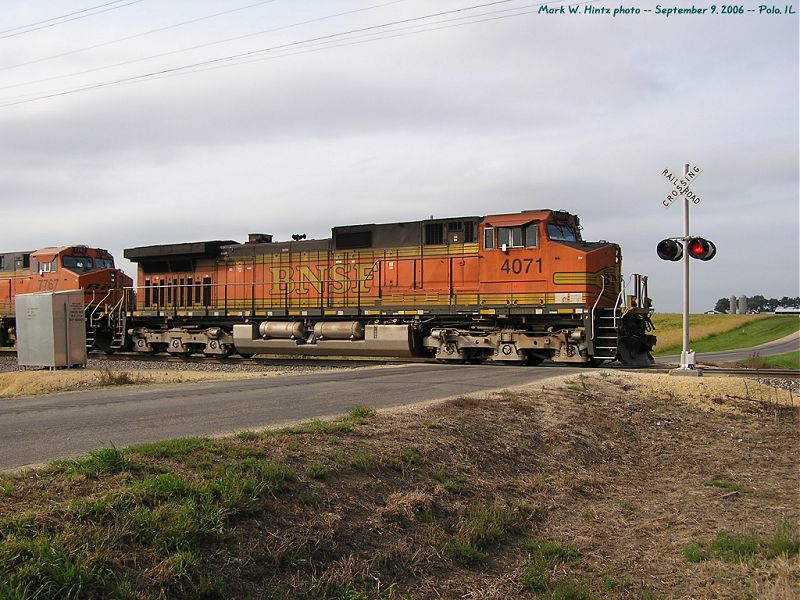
(340, 362)
(717, 370)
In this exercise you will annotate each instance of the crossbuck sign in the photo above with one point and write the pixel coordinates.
(682, 185)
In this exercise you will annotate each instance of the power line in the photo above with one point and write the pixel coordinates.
(129, 37)
(77, 12)
(62, 21)
(330, 38)
(371, 37)
(196, 47)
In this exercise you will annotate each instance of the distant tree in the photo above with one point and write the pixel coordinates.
(759, 303)
(722, 305)
(789, 302)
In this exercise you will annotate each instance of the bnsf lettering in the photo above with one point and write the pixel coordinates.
(336, 279)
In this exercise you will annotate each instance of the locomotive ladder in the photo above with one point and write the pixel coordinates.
(606, 333)
(114, 316)
(607, 322)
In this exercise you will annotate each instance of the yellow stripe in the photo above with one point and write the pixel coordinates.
(578, 279)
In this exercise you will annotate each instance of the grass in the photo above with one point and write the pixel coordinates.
(482, 527)
(727, 486)
(733, 548)
(96, 463)
(451, 483)
(107, 377)
(316, 470)
(167, 501)
(789, 360)
(537, 576)
(710, 333)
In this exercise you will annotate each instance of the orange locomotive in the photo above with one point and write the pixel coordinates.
(520, 287)
(66, 268)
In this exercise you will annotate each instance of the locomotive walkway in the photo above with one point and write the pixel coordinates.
(36, 430)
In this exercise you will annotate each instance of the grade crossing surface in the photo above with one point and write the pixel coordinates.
(36, 430)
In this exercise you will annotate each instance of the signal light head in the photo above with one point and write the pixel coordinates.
(701, 249)
(669, 250)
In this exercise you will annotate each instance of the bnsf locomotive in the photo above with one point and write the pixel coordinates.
(67, 268)
(519, 288)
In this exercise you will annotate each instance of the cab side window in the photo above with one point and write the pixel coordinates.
(488, 238)
(511, 237)
(532, 235)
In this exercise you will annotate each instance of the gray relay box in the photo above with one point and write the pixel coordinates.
(51, 329)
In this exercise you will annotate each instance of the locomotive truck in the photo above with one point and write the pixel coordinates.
(67, 268)
(518, 288)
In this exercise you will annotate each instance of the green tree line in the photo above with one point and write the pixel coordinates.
(759, 303)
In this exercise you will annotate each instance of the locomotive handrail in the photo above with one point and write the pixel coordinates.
(600, 295)
(620, 297)
(98, 305)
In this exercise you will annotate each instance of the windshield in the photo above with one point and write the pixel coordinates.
(103, 263)
(77, 263)
(561, 233)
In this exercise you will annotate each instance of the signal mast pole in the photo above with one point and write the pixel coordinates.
(687, 358)
(696, 247)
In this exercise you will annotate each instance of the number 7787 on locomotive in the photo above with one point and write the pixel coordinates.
(519, 287)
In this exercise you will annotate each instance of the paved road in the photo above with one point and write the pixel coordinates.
(790, 343)
(37, 430)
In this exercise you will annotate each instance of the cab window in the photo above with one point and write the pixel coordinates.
(45, 267)
(512, 237)
(532, 235)
(488, 238)
(561, 233)
(77, 263)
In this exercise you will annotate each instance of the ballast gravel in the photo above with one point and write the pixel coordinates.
(9, 363)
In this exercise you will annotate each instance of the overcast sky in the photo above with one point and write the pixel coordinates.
(442, 116)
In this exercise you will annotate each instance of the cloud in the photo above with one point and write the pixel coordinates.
(574, 112)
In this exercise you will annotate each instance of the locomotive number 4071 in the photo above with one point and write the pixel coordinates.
(520, 265)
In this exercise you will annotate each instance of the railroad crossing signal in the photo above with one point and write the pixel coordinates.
(697, 247)
(701, 249)
(669, 250)
(682, 185)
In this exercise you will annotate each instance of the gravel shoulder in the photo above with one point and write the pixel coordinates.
(101, 373)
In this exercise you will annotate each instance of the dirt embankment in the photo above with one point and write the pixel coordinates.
(608, 485)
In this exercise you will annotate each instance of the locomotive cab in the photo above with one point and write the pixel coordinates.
(59, 269)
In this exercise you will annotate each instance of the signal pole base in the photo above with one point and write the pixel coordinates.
(687, 367)
(686, 372)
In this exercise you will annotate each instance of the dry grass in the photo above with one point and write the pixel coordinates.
(33, 383)
(669, 327)
(587, 487)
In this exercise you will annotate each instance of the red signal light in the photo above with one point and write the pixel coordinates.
(701, 249)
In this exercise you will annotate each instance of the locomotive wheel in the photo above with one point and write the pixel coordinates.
(246, 354)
